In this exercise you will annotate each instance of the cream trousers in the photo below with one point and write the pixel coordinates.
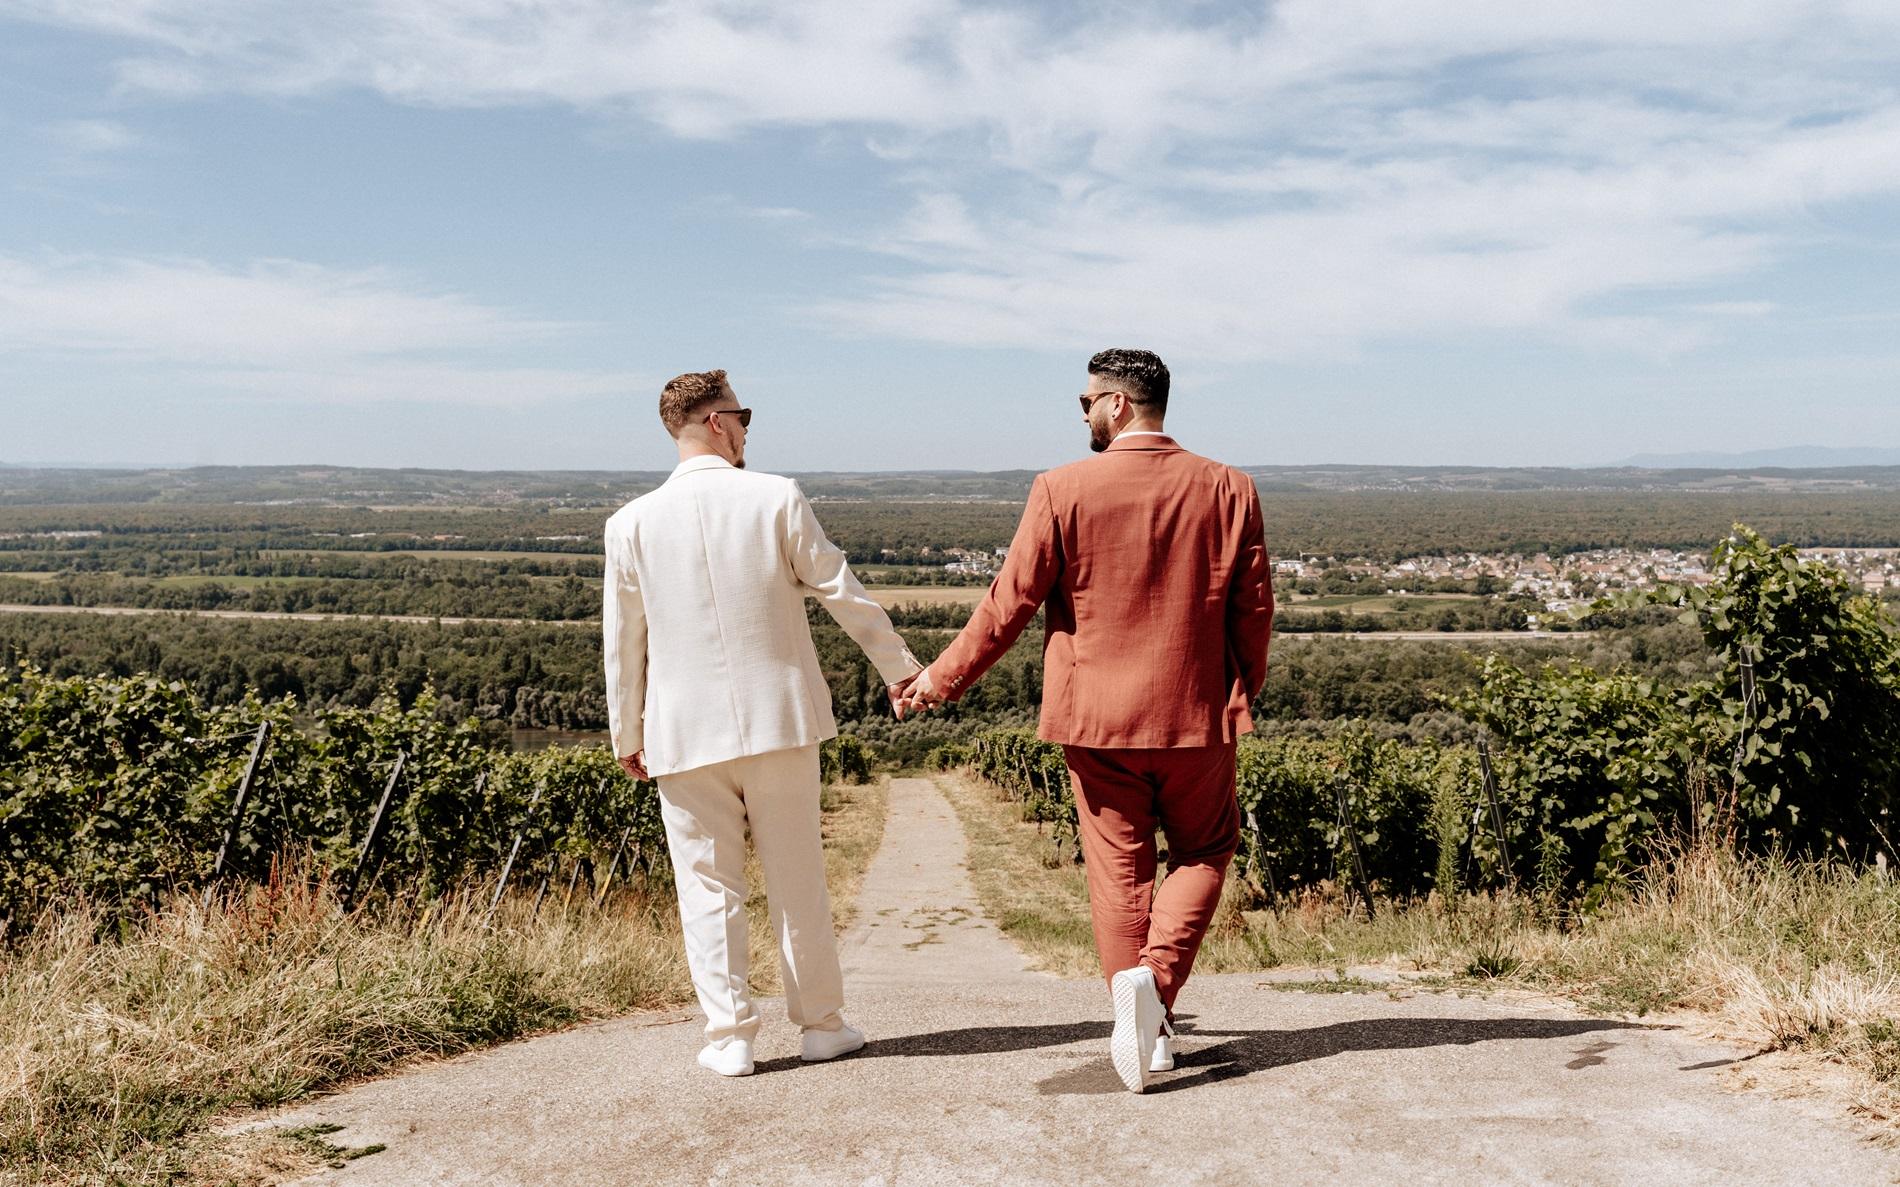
(706, 810)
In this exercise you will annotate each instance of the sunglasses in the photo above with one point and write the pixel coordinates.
(1088, 399)
(744, 415)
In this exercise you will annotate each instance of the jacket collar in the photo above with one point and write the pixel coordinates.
(1143, 442)
(705, 461)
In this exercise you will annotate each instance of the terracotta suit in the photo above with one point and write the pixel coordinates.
(1151, 566)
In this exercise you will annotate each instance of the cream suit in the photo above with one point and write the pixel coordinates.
(711, 671)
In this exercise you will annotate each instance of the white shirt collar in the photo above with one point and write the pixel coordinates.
(705, 461)
(1140, 433)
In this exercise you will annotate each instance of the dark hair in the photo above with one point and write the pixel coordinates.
(1142, 374)
(686, 394)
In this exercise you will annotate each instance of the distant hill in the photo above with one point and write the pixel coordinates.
(1796, 457)
(345, 486)
(1554, 478)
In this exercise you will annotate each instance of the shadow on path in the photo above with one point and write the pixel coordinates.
(1254, 1051)
(968, 1040)
(1243, 1052)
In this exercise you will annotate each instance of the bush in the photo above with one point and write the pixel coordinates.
(120, 788)
(1587, 767)
(844, 759)
(1794, 745)
(1816, 758)
(1408, 803)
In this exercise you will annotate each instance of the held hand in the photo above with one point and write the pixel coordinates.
(923, 692)
(899, 693)
(635, 764)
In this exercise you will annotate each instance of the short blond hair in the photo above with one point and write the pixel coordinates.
(686, 394)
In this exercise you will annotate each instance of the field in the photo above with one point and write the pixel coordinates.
(434, 554)
(926, 595)
(1372, 603)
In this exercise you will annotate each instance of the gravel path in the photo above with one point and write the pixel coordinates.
(981, 1072)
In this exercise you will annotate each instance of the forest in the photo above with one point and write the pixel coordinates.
(524, 548)
(547, 676)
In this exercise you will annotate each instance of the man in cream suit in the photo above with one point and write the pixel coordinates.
(714, 691)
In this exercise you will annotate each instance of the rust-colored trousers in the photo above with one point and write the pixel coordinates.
(1120, 798)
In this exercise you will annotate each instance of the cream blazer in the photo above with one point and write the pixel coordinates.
(709, 653)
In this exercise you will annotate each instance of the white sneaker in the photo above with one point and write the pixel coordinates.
(1163, 1060)
(820, 1045)
(1139, 1016)
(729, 1057)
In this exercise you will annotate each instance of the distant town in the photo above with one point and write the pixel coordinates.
(1561, 583)
(1573, 580)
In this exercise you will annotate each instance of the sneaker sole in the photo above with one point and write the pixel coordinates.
(1124, 1045)
(804, 1058)
(719, 1071)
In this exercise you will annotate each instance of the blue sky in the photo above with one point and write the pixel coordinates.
(481, 233)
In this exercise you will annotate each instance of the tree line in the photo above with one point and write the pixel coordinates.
(534, 676)
(1378, 525)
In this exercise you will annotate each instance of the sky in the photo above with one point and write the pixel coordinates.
(483, 233)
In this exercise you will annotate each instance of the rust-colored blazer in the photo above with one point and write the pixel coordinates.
(1153, 567)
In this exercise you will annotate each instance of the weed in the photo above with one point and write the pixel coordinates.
(1342, 983)
(1493, 959)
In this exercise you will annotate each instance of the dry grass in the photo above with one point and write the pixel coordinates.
(121, 1043)
(854, 829)
(1040, 901)
(1779, 954)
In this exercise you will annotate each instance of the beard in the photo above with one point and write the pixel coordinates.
(1100, 434)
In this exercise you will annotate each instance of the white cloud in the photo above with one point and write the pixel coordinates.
(91, 137)
(1336, 255)
(1266, 181)
(385, 381)
(280, 328)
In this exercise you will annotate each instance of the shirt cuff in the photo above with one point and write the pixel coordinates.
(907, 666)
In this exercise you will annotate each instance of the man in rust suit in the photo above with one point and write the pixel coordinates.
(1150, 564)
